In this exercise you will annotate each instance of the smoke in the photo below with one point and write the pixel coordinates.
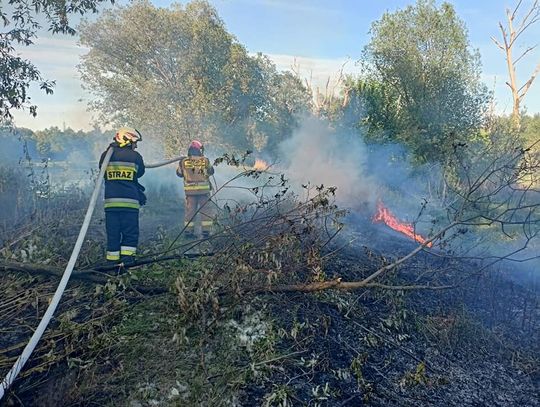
(17, 145)
(318, 155)
(315, 155)
(363, 174)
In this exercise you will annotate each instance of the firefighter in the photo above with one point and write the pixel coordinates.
(195, 169)
(123, 196)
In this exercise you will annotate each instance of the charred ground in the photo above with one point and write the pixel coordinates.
(204, 338)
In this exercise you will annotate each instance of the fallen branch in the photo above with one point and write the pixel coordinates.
(98, 277)
(92, 276)
(43, 269)
(337, 284)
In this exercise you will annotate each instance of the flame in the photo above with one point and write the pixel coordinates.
(384, 215)
(260, 165)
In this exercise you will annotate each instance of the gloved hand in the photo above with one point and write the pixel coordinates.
(142, 196)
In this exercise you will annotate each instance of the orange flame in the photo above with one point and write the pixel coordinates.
(260, 165)
(384, 215)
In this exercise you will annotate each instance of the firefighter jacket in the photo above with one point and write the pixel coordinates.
(122, 188)
(195, 170)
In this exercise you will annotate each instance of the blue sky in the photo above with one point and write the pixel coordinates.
(321, 34)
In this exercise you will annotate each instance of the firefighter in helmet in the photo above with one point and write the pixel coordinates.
(123, 195)
(195, 169)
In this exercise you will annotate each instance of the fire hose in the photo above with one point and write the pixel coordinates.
(36, 336)
(162, 163)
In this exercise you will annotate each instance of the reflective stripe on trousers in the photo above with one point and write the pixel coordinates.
(128, 251)
(113, 255)
(122, 228)
(205, 208)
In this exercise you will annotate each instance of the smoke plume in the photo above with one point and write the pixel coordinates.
(318, 155)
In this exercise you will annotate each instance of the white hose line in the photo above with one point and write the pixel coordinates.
(25, 355)
(161, 164)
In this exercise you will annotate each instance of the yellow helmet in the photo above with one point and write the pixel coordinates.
(126, 136)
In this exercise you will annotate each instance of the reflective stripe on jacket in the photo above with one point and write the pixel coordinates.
(122, 178)
(121, 203)
(195, 170)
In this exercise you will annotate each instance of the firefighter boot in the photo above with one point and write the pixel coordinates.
(127, 261)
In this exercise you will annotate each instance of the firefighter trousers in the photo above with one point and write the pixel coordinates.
(122, 228)
(205, 207)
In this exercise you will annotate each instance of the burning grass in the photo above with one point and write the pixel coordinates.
(385, 216)
(260, 165)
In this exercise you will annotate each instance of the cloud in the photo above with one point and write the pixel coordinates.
(55, 114)
(53, 55)
(56, 58)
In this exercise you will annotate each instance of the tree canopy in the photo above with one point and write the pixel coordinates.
(421, 83)
(178, 74)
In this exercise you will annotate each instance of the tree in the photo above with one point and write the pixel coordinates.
(21, 25)
(375, 103)
(530, 133)
(16, 143)
(509, 37)
(419, 58)
(57, 144)
(178, 74)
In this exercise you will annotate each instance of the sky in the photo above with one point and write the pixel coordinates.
(319, 36)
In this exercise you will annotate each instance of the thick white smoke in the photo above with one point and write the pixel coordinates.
(316, 154)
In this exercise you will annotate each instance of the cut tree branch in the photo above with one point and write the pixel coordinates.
(337, 284)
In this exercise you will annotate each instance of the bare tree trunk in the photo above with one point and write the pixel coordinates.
(509, 40)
